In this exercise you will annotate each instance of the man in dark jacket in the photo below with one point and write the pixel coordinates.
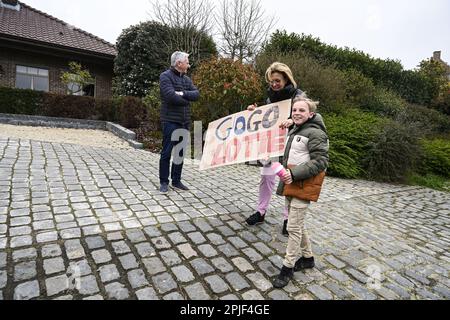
(177, 91)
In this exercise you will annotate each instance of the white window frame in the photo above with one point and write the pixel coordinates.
(81, 92)
(73, 77)
(33, 72)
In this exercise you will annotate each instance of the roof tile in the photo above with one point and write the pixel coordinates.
(32, 24)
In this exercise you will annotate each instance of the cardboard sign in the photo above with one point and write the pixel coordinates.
(246, 136)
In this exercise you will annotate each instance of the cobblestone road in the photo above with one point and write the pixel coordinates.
(80, 222)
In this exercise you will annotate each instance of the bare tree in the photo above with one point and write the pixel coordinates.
(243, 27)
(190, 21)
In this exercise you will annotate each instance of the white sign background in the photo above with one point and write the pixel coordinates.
(246, 136)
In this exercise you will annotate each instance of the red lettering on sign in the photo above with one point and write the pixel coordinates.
(262, 142)
(248, 143)
(277, 144)
(234, 146)
(219, 155)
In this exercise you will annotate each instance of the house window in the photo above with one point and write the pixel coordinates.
(76, 89)
(31, 78)
(89, 90)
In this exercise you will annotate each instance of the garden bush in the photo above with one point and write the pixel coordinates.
(152, 102)
(430, 181)
(141, 57)
(105, 109)
(436, 157)
(427, 121)
(383, 102)
(65, 106)
(226, 87)
(393, 153)
(359, 88)
(19, 101)
(128, 111)
(442, 103)
(131, 112)
(149, 132)
(414, 87)
(350, 134)
(362, 92)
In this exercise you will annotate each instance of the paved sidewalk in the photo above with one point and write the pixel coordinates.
(78, 222)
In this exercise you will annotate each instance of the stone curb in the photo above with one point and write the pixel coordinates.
(53, 122)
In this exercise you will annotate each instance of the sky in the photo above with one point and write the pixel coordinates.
(405, 30)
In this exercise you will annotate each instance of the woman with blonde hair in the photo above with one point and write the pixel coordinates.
(282, 86)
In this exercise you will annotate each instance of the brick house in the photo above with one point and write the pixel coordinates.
(35, 48)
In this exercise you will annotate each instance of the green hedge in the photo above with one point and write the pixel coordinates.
(364, 145)
(393, 153)
(127, 111)
(411, 85)
(152, 102)
(436, 157)
(430, 181)
(131, 112)
(226, 87)
(350, 135)
(65, 106)
(383, 102)
(17, 101)
(428, 121)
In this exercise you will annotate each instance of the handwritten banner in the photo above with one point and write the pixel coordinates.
(246, 136)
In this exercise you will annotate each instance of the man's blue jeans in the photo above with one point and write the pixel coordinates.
(168, 129)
